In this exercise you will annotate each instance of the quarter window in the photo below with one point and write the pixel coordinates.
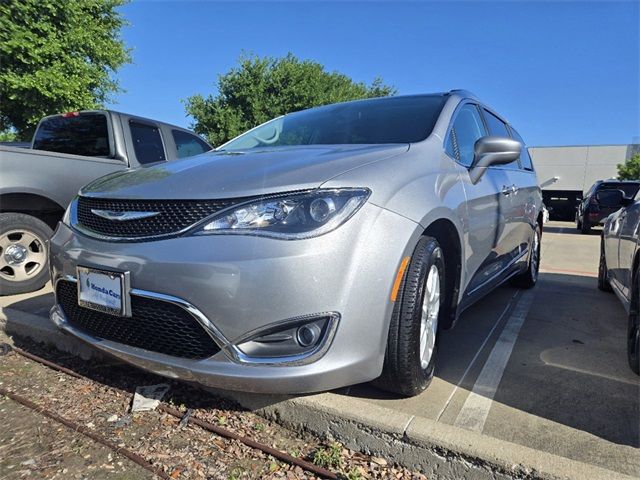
(147, 142)
(188, 145)
(467, 129)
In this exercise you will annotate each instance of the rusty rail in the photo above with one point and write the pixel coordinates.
(222, 432)
(134, 457)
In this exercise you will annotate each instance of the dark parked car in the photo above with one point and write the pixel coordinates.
(620, 262)
(590, 212)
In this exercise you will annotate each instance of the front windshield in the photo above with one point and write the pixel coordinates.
(375, 121)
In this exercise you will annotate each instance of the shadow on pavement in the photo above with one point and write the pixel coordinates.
(568, 365)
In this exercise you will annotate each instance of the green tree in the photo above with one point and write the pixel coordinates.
(630, 170)
(259, 89)
(56, 56)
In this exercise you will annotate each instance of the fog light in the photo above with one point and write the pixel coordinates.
(308, 335)
(296, 337)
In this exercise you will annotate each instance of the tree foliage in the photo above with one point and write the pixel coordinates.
(630, 170)
(56, 56)
(259, 89)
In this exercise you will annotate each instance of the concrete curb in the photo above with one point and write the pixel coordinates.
(439, 450)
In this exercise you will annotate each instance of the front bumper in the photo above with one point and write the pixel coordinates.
(242, 284)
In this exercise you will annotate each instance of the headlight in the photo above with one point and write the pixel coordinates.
(289, 216)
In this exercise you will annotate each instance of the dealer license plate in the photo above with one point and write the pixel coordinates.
(104, 291)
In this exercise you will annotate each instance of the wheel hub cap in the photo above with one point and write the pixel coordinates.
(429, 320)
(15, 254)
(23, 255)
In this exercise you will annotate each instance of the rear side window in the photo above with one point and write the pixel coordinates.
(188, 145)
(525, 158)
(467, 129)
(147, 142)
(80, 134)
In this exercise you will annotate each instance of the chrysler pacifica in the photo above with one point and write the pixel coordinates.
(324, 248)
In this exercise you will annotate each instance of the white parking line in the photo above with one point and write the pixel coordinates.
(475, 410)
(475, 357)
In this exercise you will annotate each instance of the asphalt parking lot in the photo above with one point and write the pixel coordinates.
(544, 368)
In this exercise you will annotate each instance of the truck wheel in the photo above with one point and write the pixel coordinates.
(24, 253)
(410, 356)
(529, 278)
(603, 276)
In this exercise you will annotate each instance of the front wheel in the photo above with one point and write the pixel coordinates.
(24, 251)
(410, 356)
(529, 277)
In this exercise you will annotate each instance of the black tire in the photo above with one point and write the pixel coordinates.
(36, 272)
(403, 373)
(633, 327)
(529, 277)
(585, 226)
(603, 276)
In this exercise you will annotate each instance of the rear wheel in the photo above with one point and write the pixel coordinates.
(633, 328)
(603, 273)
(411, 352)
(24, 253)
(585, 226)
(529, 278)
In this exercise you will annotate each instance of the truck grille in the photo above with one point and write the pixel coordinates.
(173, 216)
(155, 325)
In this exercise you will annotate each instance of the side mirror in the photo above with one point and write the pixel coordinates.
(489, 151)
(612, 199)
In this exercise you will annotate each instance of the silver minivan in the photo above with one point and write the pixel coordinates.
(323, 248)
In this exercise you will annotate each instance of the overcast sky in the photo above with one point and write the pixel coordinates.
(564, 73)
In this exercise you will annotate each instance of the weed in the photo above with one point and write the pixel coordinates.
(329, 457)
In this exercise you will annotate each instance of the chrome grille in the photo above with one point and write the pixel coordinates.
(173, 216)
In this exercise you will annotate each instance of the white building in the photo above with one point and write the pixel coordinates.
(565, 173)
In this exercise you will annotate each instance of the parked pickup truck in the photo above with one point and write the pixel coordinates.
(68, 151)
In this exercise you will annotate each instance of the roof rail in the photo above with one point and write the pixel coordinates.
(464, 93)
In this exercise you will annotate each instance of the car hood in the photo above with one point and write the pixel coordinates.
(220, 174)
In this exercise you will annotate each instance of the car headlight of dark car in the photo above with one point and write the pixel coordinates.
(288, 216)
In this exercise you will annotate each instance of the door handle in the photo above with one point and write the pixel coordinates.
(507, 190)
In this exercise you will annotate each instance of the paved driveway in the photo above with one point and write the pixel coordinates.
(544, 368)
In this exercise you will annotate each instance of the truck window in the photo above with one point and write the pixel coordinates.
(188, 145)
(79, 133)
(147, 142)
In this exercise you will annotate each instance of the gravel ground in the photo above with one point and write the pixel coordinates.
(32, 446)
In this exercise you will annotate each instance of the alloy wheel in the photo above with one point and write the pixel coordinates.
(22, 255)
(429, 319)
